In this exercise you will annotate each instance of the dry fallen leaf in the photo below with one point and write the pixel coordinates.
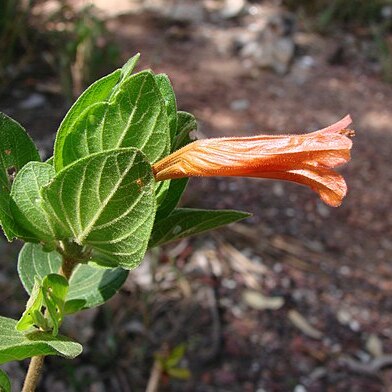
(258, 301)
(374, 346)
(302, 324)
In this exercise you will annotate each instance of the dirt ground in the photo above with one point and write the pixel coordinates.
(295, 298)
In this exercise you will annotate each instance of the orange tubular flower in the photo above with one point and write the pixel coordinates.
(307, 159)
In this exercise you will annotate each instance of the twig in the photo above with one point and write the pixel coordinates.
(155, 376)
(371, 368)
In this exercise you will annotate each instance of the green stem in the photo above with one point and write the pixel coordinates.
(37, 363)
(155, 377)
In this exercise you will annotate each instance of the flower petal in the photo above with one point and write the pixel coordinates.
(329, 184)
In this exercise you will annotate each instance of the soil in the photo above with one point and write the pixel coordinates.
(330, 267)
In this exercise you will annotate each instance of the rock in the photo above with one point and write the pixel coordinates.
(97, 386)
(188, 12)
(323, 210)
(301, 70)
(386, 11)
(278, 189)
(33, 101)
(44, 8)
(177, 11)
(233, 8)
(239, 105)
(282, 54)
(113, 8)
(272, 45)
(229, 284)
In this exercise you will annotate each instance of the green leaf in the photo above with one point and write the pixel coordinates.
(135, 118)
(126, 71)
(54, 290)
(5, 383)
(99, 91)
(169, 97)
(26, 203)
(16, 149)
(179, 373)
(32, 316)
(15, 345)
(49, 295)
(169, 192)
(184, 222)
(34, 262)
(88, 287)
(161, 189)
(74, 305)
(107, 201)
(175, 356)
(95, 285)
(173, 196)
(186, 123)
(128, 67)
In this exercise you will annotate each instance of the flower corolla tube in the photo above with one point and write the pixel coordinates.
(307, 159)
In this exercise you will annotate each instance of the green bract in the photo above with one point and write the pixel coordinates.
(94, 205)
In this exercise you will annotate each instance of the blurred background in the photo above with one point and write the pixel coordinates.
(295, 298)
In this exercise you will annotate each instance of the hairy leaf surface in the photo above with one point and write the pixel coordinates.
(107, 202)
(169, 97)
(185, 222)
(89, 284)
(5, 383)
(173, 195)
(26, 204)
(49, 292)
(15, 345)
(136, 117)
(16, 149)
(186, 123)
(99, 91)
(103, 90)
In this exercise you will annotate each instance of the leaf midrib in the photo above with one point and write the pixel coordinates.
(130, 118)
(82, 236)
(39, 209)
